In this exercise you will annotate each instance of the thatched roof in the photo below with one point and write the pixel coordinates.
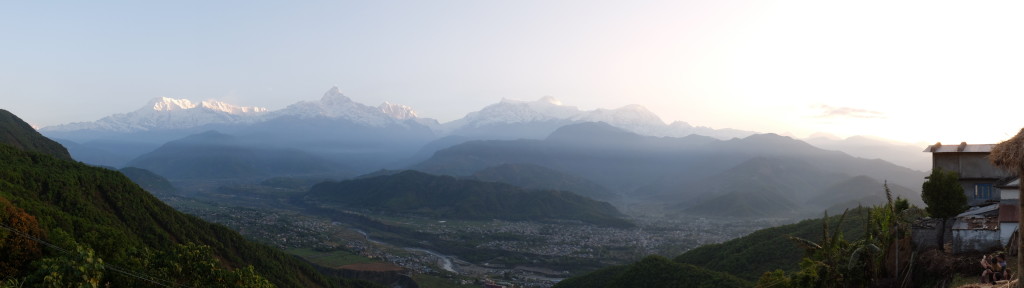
(1009, 154)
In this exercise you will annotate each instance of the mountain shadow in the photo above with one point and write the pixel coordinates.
(538, 177)
(215, 155)
(418, 193)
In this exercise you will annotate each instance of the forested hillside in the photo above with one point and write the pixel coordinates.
(67, 223)
(735, 263)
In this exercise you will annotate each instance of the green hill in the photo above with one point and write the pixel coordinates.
(768, 249)
(654, 272)
(156, 184)
(94, 213)
(447, 197)
(538, 177)
(734, 263)
(17, 133)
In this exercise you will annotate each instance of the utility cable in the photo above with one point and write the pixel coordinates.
(110, 267)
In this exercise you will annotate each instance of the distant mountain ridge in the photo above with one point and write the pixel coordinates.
(904, 154)
(338, 128)
(538, 177)
(445, 197)
(215, 155)
(541, 117)
(168, 114)
(762, 175)
(513, 119)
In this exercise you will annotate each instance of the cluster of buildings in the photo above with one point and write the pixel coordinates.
(992, 194)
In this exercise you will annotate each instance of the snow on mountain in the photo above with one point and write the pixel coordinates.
(517, 111)
(168, 113)
(336, 105)
(540, 117)
(397, 111)
(547, 110)
(634, 118)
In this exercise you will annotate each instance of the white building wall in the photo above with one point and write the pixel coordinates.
(1006, 230)
(1005, 194)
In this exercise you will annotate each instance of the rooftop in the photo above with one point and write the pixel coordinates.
(962, 148)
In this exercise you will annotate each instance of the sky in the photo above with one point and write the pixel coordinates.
(913, 71)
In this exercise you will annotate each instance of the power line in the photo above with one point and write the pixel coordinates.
(110, 267)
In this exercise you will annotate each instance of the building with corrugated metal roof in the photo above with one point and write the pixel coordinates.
(977, 230)
(993, 216)
(978, 175)
(1009, 208)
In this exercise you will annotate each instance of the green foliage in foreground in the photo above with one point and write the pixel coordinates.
(769, 249)
(835, 261)
(654, 271)
(943, 194)
(846, 251)
(123, 225)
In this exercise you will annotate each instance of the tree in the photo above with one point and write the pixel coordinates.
(79, 268)
(1009, 155)
(17, 250)
(944, 196)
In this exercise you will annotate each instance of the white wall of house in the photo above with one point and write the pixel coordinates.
(1005, 194)
(975, 240)
(1006, 229)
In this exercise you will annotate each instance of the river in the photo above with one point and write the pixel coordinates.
(445, 260)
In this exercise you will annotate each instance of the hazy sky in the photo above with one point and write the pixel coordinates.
(923, 71)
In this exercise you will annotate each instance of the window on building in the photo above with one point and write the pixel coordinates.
(984, 191)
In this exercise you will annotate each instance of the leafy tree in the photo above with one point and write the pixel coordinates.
(16, 250)
(775, 279)
(836, 262)
(79, 269)
(195, 266)
(944, 196)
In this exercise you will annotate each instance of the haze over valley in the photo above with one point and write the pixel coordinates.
(481, 193)
(493, 144)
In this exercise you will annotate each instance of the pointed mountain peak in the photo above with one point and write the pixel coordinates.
(334, 96)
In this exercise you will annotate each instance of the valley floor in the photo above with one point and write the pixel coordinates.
(459, 252)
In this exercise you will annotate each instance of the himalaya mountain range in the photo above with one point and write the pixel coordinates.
(628, 155)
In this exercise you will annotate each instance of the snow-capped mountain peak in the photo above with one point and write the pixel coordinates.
(335, 105)
(518, 111)
(634, 117)
(231, 109)
(168, 113)
(169, 104)
(333, 97)
(397, 111)
(550, 100)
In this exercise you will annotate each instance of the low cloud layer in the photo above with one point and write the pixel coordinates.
(848, 112)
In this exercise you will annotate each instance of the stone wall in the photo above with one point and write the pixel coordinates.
(925, 233)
